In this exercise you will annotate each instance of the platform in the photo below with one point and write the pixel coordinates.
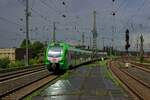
(88, 82)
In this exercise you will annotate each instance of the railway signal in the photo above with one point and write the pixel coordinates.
(127, 40)
(63, 3)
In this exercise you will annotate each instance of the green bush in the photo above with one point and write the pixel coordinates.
(41, 59)
(33, 61)
(4, 62)
(17, 64)
(36, 60)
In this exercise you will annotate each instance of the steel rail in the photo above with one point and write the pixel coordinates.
(137, 87)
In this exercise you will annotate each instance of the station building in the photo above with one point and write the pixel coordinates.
(14, 53)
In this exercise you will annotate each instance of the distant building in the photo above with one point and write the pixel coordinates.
(14, 53)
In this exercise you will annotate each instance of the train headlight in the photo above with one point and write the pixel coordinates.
(61, 52)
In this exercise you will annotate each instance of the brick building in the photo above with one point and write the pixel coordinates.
(14, 53)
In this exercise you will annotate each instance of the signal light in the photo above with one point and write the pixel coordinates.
(127, 39)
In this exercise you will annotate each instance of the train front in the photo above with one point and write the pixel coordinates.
(54, 58)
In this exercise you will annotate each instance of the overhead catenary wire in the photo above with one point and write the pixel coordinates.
(6, 3)
(36, 12)
(134, 15)
(40, 15)
(32, 10)
(11, 22)
(122, 5)
(138, 10)
(50, 7)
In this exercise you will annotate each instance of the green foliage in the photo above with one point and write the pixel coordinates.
(106, 72)
(33, 61)
(37, 48)
(17, 64)
(4, 62)
(36, 60)
(41, 59)
(23, 44)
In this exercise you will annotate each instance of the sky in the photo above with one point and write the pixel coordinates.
(129, 14)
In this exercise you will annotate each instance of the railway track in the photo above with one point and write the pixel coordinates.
(18, 84)
(141, 66)
(136, 78)
(10, 72)
(28, 89)
(141, 72)
(12, 82)
(10, 75)
(134, 84)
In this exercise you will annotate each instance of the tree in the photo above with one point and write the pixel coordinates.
(37, 48)
(4, 62)
(23, 44)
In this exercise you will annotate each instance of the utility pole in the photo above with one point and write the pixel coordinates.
(113, 28)
(27, 32)
(141, 48)
(94, 31)
(137, 46)
(83, 39)
(103, 39)
(54, 32)
(112, 46)
(90, 42)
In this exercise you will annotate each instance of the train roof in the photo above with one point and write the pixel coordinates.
(80, 50)
(68, 46)
(58, 44)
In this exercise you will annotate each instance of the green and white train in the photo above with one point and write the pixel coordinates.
(61, 56)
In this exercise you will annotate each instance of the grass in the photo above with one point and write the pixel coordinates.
(107, 73)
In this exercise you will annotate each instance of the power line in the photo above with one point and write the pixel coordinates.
(139, 9)
(55, 6)
(6, 3)
(122, 5)
(132, 16)
(6, 20)
(10, 33)
(14, 23)
(40, 15)
(43, 2)
(33, 2)
(53, 9)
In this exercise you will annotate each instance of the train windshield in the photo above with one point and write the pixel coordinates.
(55, 52)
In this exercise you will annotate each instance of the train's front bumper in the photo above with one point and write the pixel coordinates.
(54, 63)
(51, 60)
